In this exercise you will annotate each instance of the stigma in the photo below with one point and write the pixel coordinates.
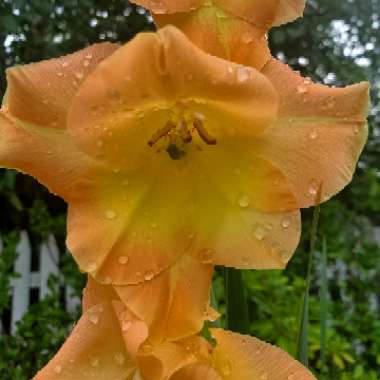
(178, 136)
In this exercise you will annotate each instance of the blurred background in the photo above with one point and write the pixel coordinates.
(336, 43)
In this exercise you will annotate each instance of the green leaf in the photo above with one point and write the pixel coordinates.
(237, 318)
(303, 340)
(323, 303)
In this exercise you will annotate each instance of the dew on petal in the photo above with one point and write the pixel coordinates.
(119, 358)
(243, 74)
(92, 267)
(86, 63)
(60, 73)
(244, 201)
(313, 135)
(107, 280)
(123, 259)
(207, 256)
(285, 223)
(313, 187)
(94, 362)
(94, 319)
(264, 376)
(247, 38)
(110, 214)
(302, 89)
(58, 369)
(65, 64)
(79, 75)
(148, 275)
(230, 69)
(88, 56)
(126, 325)
(259, 233)
(226, 369)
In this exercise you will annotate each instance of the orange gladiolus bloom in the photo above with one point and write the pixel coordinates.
(110, 342)
(165, 152)
(231, 29)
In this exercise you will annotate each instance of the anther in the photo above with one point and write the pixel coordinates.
(161, 133)
(206, 137)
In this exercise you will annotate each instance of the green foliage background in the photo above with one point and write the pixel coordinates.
(337, 42)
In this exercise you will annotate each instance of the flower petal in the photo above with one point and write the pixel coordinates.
(239, 357)
(95, 349)
(289, 10)
(96, 293)
(244, 238)
(169, 6)
(174, 303)
(319, 134)
(161, 361)
(125, 230)
(40, 93)
(45, 153)
(222, 35)
(133, 101)
(197, 371)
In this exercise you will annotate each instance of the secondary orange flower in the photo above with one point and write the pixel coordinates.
(231, 29)
(165, 151)
(109, 342)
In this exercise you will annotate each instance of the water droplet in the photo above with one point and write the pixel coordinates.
(119, 358)
(65, 64)
(230, 69)
(302, 89)
(86, 63)
(313, 135)
(207, 256)
(243, 74)
(244, 201)
(285, 223)
(92, 267)
(123, 259)
(110, 214)
(60, 73)
(94, 319)
(107, 280)
(259, 233)
(94, 362)
(313, 187)
(88, 56)
(153, 224)
(148, 275)
(126, 325)
(356, 129)
(58, 369)
(291, 377)
(247, 38)
(226, 369)
(264, 376)
(79, 75)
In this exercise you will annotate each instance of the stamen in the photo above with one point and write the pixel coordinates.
(161, 133)
(206, 137)
(184, 131)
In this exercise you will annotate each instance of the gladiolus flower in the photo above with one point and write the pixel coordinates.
(231, 29)
(165, 151)
(109, 342)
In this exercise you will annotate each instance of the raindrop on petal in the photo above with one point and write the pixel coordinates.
(119, 358)
(123, 259)
(58, 369)
(110, 214)
(244, 201)
(94, 319)
(285, 223)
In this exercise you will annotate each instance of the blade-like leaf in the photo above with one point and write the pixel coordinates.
(323, 303)
(237, 318)
(303, 341)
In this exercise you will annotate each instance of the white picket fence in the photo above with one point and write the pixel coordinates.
(48, 264)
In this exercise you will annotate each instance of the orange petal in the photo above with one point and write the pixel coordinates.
(161, 361)
(45, 153)
(174, 303)
(289, 10)
(319, 134)
(41, 93)
(133, 101)
(244, 238)
(95, 350)
(197, 371)
(222, 35)
(169, 6)
(239, 357)
(95, 293)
